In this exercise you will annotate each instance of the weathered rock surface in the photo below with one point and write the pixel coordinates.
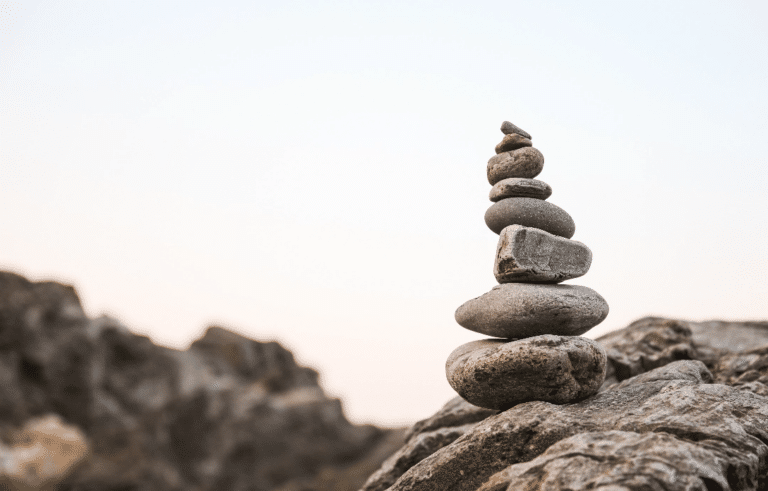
(512, 142)
(351, 476)
(415, 450)
(41, 454)
(518, 187)
(227, 413)
(521, 310)
(531, 255)
(508, 128)
(530, 212)
(621, 460)
(498, 374)
(524, 162)
(456, 412)
(675, 416)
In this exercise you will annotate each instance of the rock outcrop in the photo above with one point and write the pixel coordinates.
(227, 413)
(41, 454)
(684, 407)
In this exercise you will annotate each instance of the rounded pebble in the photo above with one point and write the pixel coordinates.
(524, 162)
(523, 310)
(512, 142)
(508, 128)
(518, 187)
(530, 212)
(499, 374)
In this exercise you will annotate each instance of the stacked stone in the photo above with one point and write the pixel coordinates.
(540, 354)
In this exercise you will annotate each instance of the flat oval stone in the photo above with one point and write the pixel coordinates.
(508, 128)
(512, 142)
(522, 310)
(524, 162)
(530, 212)
(531, 255)
(499, 374)
(518, 187)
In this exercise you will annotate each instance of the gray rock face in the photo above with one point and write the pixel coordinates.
(508, 128)
(512, 142)
(416, 449)
(518, 187)
(620, 460)
(728, 426)
(456, 412)
(663, 426)
(650, 343)
(530, 212)
(521, 310)
(524, 162)
(228, 413)
(498, 374)
(531, 255)
(43, 452)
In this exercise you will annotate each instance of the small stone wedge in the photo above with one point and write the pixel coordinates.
(530, 212)
(499, 374)
(531, 255)
(524, 162)
(522, 310)
(519, 187)
(508, 128)
(512, 142)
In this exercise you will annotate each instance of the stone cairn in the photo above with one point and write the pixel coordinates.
(541, 355)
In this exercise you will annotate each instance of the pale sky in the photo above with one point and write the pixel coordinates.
(314, 172)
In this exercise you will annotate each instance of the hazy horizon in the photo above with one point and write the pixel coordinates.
(315, 173)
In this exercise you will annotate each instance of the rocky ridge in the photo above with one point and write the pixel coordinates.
(227, 413)
(684, 406)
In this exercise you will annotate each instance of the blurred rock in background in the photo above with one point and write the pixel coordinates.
(121, 413)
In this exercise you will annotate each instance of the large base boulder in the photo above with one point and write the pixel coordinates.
(681, 410)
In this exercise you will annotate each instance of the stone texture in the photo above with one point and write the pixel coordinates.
(227, 413)
(650, 343)
(456, 412)
(508, 128)
(521, 310)
(512, 142)
(531, 255)
(655, 395)
(530, 212)
(524, 162)
(43, 452)
(729, 336)
(518, 187)
(498, 374)
(623, 460)
(349, 477)
(721, 430)
(416, 449)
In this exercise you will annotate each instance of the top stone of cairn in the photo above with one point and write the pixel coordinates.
(508, 129)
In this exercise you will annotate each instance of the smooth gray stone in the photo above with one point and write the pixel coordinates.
(499, 374)
(518, 187)
(524, 162)
(531, 255)
(508, 128)
(522, 310)
(512, 142)
(530, 212)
